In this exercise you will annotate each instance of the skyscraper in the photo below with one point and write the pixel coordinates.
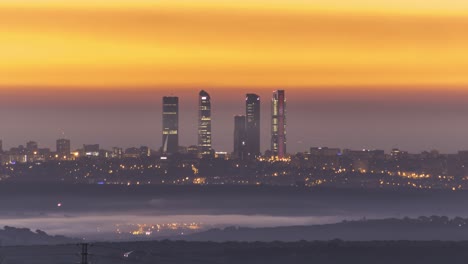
(278, 124)
(170, 125)
(239, 137)
(204, 124)
(63, 147)
(252, 125)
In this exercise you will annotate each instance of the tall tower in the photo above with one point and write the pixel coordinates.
(204, 124)
(278, 124)
(252, 125)
(239, 137)
(170, 122)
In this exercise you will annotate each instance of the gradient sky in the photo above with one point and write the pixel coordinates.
(358, 74)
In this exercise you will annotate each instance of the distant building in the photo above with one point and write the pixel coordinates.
(117, 152)
(325, 152)
(204, 124)
(278, 124)
(398, 154)
(183, 150)
(91, 150)
(1, 146)
(170, 126)
(239, 137)
(145, 151)
(132, 153)
(252, 125)
(104, 153)
(222, 155)
(32, 147)
(63, 147)
(192, 150)
(364, 154)
(365, 159)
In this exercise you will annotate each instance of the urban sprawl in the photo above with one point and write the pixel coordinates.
(246, 165)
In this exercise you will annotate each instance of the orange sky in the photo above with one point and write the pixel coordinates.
(96, 70)
(130, 43)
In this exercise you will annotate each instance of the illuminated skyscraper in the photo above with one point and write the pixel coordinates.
(63, 147)
(239, 137)
(278, 124)
(170, 125)
(204, 124)
(252, 125)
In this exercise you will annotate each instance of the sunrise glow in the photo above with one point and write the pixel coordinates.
(233, 43)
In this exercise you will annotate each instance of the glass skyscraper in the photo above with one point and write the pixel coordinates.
(278, 124)
(204, 124)
(170, 125)
(252, 125)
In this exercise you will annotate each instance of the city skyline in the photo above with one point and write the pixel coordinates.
(227, 138)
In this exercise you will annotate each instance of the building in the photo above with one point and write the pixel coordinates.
(252, 125)
(117, 152)
(192, 150)
(325, 158)
(1, 146)
(222, 155)
(63, 147)
(239, 137)
(145, 152)
(278, 124)
(91, 150)
(204, 124)
(32, 147)
(132, 153)
(170, 125)
(325, 151)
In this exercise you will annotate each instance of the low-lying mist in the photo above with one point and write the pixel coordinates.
(152, 212)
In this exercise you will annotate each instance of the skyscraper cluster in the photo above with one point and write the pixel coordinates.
(246, 127)
(170, 128)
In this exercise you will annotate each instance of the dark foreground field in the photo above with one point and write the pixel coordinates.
(275, 252)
